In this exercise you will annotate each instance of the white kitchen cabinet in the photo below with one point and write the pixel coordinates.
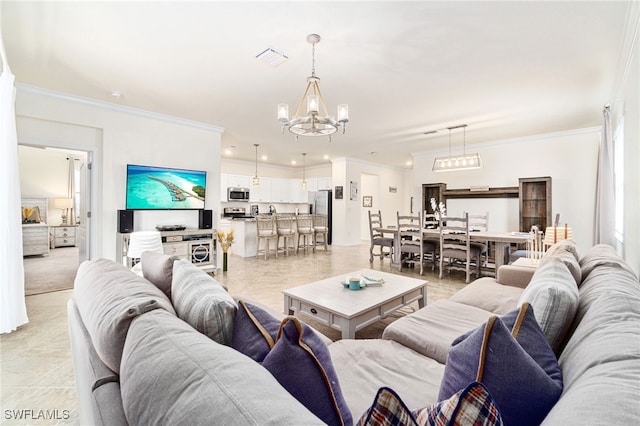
(238, 181)
(324, 183)
(298, 195)
(280, 190)
(245, 234)
(261, 193)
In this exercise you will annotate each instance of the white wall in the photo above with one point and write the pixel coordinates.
(570, 159)
(120, 136)
(349, 215)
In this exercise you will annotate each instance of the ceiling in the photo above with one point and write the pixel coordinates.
(506, 69)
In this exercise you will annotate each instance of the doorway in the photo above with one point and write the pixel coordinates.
(53, 172)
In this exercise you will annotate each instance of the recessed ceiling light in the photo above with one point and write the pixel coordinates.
(264, 157)
(271, 57)
(326, 156)
(116, 94)
(293, 162)
(408, 163)
(229, 150)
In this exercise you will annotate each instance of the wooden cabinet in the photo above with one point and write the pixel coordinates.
(63, 236)
(535, 203)
(432, 190)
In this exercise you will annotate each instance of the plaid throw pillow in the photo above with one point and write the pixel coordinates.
(471, 406)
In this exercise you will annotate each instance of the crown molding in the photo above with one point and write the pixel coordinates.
(25, 88)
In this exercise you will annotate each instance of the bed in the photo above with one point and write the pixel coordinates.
(35, 229)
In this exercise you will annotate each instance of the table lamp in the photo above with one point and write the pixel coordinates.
(63, 204)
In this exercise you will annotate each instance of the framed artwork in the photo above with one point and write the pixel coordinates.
(339, 192)
(367, 201)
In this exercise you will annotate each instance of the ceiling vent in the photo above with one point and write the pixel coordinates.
(271, 57)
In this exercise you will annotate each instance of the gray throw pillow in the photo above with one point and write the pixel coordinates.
(158, 268)
(109, 296)
(553, 294)
(202, 302)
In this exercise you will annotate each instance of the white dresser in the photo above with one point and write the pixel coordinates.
(63, 236)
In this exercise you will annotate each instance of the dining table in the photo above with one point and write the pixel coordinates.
(502, 240)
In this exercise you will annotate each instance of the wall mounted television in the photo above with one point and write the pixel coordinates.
(163, 188)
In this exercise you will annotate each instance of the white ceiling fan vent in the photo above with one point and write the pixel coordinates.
(271, 57)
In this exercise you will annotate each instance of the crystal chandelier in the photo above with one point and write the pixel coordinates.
(313, 124)
(457, 162)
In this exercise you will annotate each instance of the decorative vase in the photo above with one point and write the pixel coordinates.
(224, 261)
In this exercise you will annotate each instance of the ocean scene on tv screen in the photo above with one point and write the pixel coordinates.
(163, 188)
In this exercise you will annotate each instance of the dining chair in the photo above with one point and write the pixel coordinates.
(320, 231)
(412, 247)
(455, 247)
(304, 228)
(378, 239)
(431, 222)
(286, 231)
(480, 222)
(266, 232)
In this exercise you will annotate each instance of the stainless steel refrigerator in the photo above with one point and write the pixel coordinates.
(320, 203)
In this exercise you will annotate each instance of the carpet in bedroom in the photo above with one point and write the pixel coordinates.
(53, 272)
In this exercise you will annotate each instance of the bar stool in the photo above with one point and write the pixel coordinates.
(284, 226)
(266, 232)
(304, 227)
(320, 230)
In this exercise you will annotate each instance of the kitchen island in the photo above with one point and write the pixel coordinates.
(245, 237)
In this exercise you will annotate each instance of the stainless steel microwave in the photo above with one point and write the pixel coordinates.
(237, 194)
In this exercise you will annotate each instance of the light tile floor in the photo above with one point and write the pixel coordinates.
(36, 368)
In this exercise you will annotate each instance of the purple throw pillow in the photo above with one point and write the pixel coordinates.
(512, 358)
(254, 331)
(301, 362)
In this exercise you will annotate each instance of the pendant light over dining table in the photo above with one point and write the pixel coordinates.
(313, 123)
(457, 162)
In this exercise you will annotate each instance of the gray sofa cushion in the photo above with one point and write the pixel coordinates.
(202, 302)
(109, 296)
(173, 375)
(158, 268)
(98, 388)
(601, 364)
(487, 294)
(431, 330)
(567, 252)
(553, 294)
(364, 366)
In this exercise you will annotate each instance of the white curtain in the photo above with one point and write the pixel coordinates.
(605, 186)
(13, 310)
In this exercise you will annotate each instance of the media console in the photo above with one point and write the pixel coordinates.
(195, 245)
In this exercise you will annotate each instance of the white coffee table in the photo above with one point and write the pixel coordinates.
(328, 302)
